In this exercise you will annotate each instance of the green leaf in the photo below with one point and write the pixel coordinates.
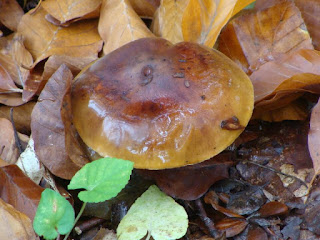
(154, 213)
(54, 215)
(103, 179)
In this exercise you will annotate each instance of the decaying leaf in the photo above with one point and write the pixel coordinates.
(19, 191)
(44, 39)
(66, 10)
(193, 20)
(55, 139)
(119, 24)
(186, 182)
(273, 209)
(6, 84)
(10, 14)
(231, 226)
(256, 38)
(296, 72)
(8, 148)
(313, 138)
(14, 224)
(145, 8)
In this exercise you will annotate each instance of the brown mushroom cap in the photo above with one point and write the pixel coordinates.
(161, 105)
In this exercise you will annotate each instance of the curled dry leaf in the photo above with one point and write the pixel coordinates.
(6, 84)
(313, 138)
(254, 39)
(10, 14)
(44, 39)
(129, 26)
(55, 139)
(14, 224)
(180, 182)
(145, 8)
(296, 72)
(310, 11)
(9, 151)
(231, 226)
(19, 190)
(21, 116)
(192, 20)
(66, 10)
(273, 209)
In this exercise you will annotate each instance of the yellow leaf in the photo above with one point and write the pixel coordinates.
(66, 10)
(119, 24)
(44, 39)
(192, 20)
(145, 8)
(241, 4)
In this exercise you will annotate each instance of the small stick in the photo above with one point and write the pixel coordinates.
(207, 221)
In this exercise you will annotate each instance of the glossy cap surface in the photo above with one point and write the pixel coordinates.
(161, 105)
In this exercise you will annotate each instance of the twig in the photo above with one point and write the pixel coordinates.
(207, 221)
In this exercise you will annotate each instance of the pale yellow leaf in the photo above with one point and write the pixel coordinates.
(66, 10)
(44, 39)
(145, 8)
(241, 4)
(14, 224)
(192, 20)
(119, 24)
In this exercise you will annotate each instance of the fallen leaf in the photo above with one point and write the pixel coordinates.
(105, 234)
(193, 20)
(296, 72)
(257, 232)
(44, 39)
(313, 137)
(241, 4)
(21, 116)
(66, 10)
(156, 214)
(7, 85)
(296, 110)
(129, 26)
(103, 179)
(292, 228)
(10, 14)
(310, 11)
(259, 37)
(231, 226)
(11, 99)
(8, 148)
(19, 191)
(145, 8)
(273, 209)
(180, 182)
(263, 4)
(14, 224)
(55, 140)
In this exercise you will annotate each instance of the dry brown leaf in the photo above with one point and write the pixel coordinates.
(119, 24)
(14, 224)
(15, 58)
(6, 84)
(314, 136)
(67, 10)
(231, 226)
(145, 8)
(10, 14)
(55, 139)
(296, 110)
(19, 190)
(8, 149)
(21, 116)
(273, 209)
(298, 71)
(44, 39)
(256, 38)
(192, 20)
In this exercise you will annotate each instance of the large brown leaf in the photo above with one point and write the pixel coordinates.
(19, 190)
(54, 137)
(44, 39)
(298, 71)
(314, 136)
(10, 14)
(145, 8)
(67, 10)
(256, 38)
(14, 224)
(119, 24)
(192, 20)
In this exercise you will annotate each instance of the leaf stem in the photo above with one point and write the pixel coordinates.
(148, 236)
(77, 218)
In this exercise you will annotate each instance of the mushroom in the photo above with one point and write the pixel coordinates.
(161, 105)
